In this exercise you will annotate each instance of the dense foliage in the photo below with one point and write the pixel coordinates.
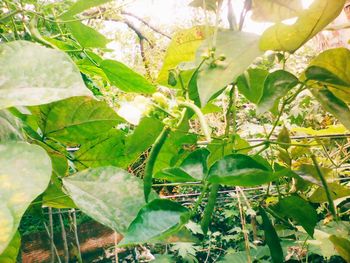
(67, 142)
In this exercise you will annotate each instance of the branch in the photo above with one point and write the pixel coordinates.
(146, 23)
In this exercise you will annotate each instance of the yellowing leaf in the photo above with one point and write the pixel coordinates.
(333, 129)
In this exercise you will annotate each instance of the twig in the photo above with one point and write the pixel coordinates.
(64, 238)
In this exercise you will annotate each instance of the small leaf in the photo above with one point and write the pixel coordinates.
(333, 104)
(239, 49)
(284, 137)
(10, 127)
(277, 84)
(298, 209)
(336, 190)
(157, 219)
(87, 36)
(240, 170)
(283, 37)
(271, 238)
(76, 119)
(126, 79)
(195, 164)
(209, 4)
(25, 172)
(109, 195)
(11, 252)
(275, 10)
(342, 246)
(176, 175)
(39, 80)
(81, 5)
(251, 84)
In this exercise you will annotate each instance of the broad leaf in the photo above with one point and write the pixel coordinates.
(144, 135)
(11, 252)
(80, 6)
(157, 219)
(109, 195)
(283, 37)
(240, 170)
(55, 197)
(10, 127)
(277, 84)
(333, 104)
(125, 78)
(342, 246)
(299, 210)
(25, 172)
(283, 137)
(182, 48)
(40, 79)
(251, 84)
(176, 175)
(275, 10)
(336, 190)
(239, 49)
(75, 120)
(271, 238)
(87, 36)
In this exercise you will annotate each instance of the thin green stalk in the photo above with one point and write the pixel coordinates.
(231, 103)
(325, 186)
(277, 120)
(199, 200)
(208, 211)
(152, 160)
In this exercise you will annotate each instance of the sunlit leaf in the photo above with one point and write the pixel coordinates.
(25, 172)
(209, 4)
(284, 137)
(10, 127)
(155, 220)
(81, 5)
(342, 245)
(109, 195)
(40, 79)
(239, 50)
(283, 37)
(11, 252)
(336, 190)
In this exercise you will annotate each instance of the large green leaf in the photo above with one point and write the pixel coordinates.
(331, 68)
(11, 252)
(342, 246)
(275, 10)
(81, 5)
(240, 170)
(109, 195)
(271, 238)
(144, 135)
(333, 104)
(298, 209)
(336, 190)
(277, 84)
(25, 172)
(251, 84)
(126, 79)
(87, 36)
(182, 48)
(157, 219)
(283, 37)
(239, 49)
(32, 74)
(10, 127)
(76, 119)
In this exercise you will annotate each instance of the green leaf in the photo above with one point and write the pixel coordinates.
(20, 186)
(10, 127)
(176, 175)
(283, 37)
(342, 246)
(182, 48)
(109, 195)
(251, 84)
(164, 259)
(39, 79)
(155, 220)
(271, 238)
(55, 197)
(336, 190)
(240, 170)
(299, 210)
(80, 6)
(144, 135)
(284, 137)
(275, 10)
(87, 36)
(277, 84)
(239, 49)
(333, 104)
(75, 120)
(331, 68)
(126, 79)
(209, 4)
(11, 252)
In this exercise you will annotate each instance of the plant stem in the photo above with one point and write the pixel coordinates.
(231, 103)
(277, 120)
(64, 238)
(325, 186)
(199, 200)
